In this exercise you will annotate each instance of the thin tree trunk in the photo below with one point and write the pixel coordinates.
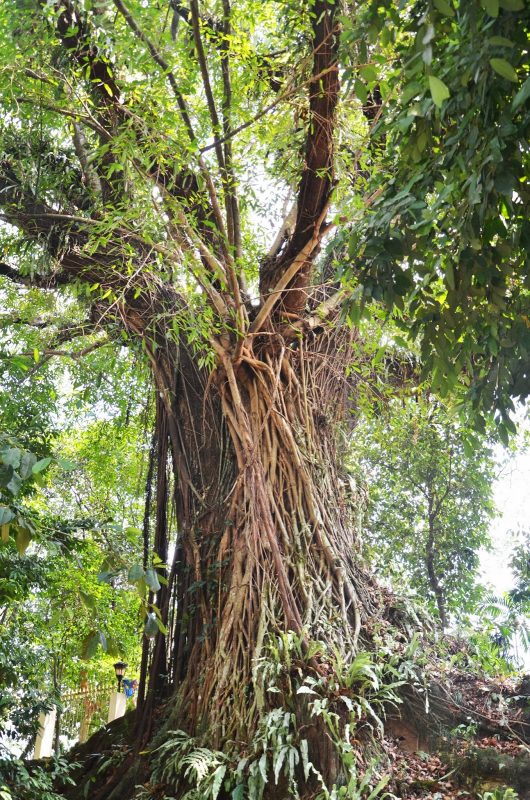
(430, 558)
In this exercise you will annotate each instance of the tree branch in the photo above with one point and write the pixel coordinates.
(201, 57)
(232, 207)
(162, 63)
(317, 179)
(40, 282)
(298, 264)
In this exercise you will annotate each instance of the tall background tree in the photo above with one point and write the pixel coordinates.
(430, 501)
(137, 143)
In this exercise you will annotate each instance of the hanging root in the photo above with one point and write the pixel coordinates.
(286, 559)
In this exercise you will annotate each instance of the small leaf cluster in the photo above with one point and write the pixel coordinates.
(21, 782)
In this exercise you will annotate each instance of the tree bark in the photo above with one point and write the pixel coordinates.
(266, 545)
(430, 561)
(267, 533)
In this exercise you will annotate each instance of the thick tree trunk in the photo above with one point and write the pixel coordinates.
(267, 535)
(265, 595)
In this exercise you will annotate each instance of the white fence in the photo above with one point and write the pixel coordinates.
(81, 713)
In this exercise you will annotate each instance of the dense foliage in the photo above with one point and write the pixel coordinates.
(65, 515)
(447, 242)
(430, 501)
(197, 202)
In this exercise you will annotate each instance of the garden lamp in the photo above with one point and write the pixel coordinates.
(119, 669)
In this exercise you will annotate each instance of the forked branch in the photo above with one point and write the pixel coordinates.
(317, 179)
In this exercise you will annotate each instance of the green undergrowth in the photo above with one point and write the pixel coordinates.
(297, 688)
(20, 780)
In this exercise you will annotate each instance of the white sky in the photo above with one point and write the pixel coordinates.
(512, 499)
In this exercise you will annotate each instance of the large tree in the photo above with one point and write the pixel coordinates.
(147, 149)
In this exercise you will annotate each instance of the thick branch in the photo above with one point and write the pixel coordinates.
(296, 266)
(317, 179)
(46, 282)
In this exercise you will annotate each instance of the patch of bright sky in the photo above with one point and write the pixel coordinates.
(512, 499)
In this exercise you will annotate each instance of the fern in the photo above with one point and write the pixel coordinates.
(358, 691)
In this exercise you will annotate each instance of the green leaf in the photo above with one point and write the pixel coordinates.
(113, 648)
(491, 7)
(136, 573)
(239, 792)
(262, 764)
(444, 7)
(161, 627)
(6, 515)
(6, 473)
(22, 539)
(26, 465)
(377, 789)
(90, 645)
(361, 90)
(151, 579)
(512, 5)
(15, 483)
(41, 465)
(504, 69)
(368, 73)
(450, 275)
(500, 41)
(67, 465)
(522, 95)
(4, 532)
(439, 91)
(133, 534)
(88, 600)
(151, 626)
(11, 457)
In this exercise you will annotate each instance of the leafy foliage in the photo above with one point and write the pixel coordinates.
(446, 244)
(58, 622)
(146, 151)
(508, 625)
(18, 782)
(356, 694)
(430, 485)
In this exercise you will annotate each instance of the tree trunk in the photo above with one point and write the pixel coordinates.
(267, 539)
(430, 558)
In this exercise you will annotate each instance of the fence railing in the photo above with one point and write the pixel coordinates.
(80, 713)
(83, 712)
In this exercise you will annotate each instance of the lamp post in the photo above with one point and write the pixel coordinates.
(119, 669)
